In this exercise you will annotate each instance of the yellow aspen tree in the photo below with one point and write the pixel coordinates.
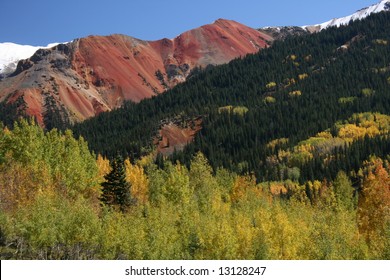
(240, 188)
(245, 233)
(374, 207)
(135, 174)
(282, 234)
(20, 183)
(103, 165)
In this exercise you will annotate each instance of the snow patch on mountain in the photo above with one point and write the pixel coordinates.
(384, 5)
(11, 53)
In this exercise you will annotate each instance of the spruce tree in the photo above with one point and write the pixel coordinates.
(116, 190)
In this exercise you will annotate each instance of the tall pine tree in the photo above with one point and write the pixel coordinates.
(116, 190)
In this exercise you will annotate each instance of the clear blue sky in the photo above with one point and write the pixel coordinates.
(39, 22)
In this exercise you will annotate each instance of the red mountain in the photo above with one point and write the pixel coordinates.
(80, 79)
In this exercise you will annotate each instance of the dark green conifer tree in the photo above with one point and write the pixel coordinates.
(116, 190)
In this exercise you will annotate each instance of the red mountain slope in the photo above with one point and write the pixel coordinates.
(94, 74)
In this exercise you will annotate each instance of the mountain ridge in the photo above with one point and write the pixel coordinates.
(81, 79)
(383, 5)
(9, 58)
(11, 53)
(281, 32)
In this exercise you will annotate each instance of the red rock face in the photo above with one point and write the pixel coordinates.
(173, 137)
(96, 74)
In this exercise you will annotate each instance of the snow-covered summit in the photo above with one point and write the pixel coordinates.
(383, 5)
(11, 53)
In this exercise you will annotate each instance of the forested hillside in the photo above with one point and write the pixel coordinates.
(292, 162)
(293, 91)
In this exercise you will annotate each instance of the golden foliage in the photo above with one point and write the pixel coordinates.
(240, 110)
(360, 125)
(295, 93)
(20, 184)
(271, 85)
(301, 154)
(277, 188)
(292, 57)
(303, 76)
(136, 176)
(240, 187)
(277, 142)
(325, 135)
(280, 234)
(374, 206)
(269, 100)
(224, 109)
(350, 132)
(103, 165)
(289, 82)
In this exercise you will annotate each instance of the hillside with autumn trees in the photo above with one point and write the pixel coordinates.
(51, 208)
(290, 160)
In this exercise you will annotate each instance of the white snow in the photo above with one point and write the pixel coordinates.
(11, 53)
(361, 14)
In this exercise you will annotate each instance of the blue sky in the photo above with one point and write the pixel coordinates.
(39, 22)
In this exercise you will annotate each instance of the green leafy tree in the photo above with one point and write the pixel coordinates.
(116, 190)
(344, 191)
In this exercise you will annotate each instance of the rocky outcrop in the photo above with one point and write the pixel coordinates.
(98, 73)
(281, 33)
